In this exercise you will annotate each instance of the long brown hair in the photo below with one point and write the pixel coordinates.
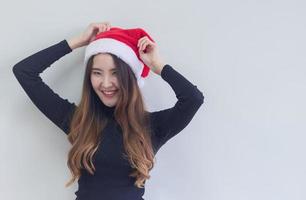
(88, 122)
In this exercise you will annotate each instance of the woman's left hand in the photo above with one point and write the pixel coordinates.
(149, 54)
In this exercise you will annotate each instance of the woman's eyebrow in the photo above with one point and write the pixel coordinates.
(98, 69)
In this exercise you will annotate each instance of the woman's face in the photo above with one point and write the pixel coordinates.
(104, 79)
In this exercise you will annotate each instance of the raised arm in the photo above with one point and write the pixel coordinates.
(169, 122)
(27, 71)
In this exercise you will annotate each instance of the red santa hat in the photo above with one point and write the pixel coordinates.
(122, 43)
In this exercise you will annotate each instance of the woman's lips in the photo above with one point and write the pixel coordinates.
(109, 93)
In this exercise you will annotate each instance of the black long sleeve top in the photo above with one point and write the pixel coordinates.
(111, 180)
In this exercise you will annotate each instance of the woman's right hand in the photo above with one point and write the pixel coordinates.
(89, 34)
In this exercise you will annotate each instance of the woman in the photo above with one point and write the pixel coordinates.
(114, 138)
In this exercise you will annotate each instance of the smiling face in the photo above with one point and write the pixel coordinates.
(104, 79)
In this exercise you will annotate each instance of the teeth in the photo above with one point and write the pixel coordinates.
(109, 92)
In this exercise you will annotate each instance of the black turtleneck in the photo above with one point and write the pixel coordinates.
(108, 110)
(111, 180)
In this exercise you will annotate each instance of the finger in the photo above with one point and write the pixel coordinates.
(103, 27)
(146, 44)
(142, 45)
(147, 40)
(101, 23)
(100, 29)
(106, 24)
(109, 27)
(138, 43)
(141, 40)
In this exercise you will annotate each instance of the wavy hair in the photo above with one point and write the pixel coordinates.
(88, 122)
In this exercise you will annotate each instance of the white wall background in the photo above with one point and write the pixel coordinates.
(248, 57)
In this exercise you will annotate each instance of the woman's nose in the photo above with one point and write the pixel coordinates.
(107, 82)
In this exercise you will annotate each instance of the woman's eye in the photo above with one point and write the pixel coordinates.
(96, 73)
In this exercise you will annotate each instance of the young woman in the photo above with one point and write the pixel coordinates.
(114, 138)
